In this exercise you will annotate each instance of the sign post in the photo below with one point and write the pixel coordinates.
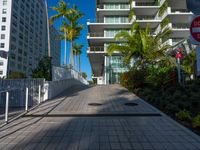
(178, 57)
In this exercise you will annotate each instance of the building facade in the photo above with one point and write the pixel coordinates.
(23, 36)
(55, 46)
(112, 17)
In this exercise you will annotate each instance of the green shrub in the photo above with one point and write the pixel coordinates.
(183, 115)
(172, 108)
(196, 121)
(16, 75)
(177, 95)
(133, 78)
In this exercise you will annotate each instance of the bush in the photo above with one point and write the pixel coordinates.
(172, 108)
(132, 79)
(183, 115)
(43, 69)
(16, 75)
(196, 121)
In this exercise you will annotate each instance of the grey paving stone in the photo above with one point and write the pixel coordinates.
(97, 133)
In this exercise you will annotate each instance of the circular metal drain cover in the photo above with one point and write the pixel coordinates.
(131, 104)
(94, 104)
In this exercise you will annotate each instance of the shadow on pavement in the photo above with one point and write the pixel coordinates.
(98, 131)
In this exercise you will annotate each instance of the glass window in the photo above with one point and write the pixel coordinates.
(116, 19)
(4, 2)
(4, 11)
(1, 63)
(3, 36)
(1, 72)
(3, 28)
(4, 19)
(116, 6)
(2, 45)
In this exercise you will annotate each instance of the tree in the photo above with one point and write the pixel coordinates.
(188, 63)
(62, 10)
(42, 71)
(74, 29)
(16, 75)
(140, 45)
(77, 52)
(84, 75)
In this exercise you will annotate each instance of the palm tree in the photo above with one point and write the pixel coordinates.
(62, 12)
(77, 52)
(140, 44)
(70, 33)
(74, 29)
(188, 64)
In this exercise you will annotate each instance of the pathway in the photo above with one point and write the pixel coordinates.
(69, 123)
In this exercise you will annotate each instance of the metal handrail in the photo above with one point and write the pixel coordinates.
(26, 99)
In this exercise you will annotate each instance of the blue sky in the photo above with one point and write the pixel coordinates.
(88, 8)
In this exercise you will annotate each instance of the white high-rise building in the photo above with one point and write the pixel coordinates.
(23, 35)
(112, 17)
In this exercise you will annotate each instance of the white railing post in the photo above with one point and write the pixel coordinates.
(26, 105)
(7, 103)
(39, 94)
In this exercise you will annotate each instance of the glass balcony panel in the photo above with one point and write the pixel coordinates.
(115, 6)
(146, 4)
(180, 26)
(116, 20)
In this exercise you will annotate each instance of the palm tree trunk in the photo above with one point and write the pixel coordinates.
(71, 55)
(65, 51)
(75, 61)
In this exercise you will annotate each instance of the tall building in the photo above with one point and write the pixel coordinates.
(23, 35)
(55, 46)
(112, 17)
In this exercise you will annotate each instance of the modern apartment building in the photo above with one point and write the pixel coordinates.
(55, 46)
(23, 36)
(112, 17)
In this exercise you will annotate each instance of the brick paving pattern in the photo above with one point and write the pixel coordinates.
(50, 128)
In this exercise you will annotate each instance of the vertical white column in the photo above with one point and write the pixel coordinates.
(39, 94)
(26, 104)
(7, 105)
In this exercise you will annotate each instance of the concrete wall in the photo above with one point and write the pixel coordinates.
(55, 88)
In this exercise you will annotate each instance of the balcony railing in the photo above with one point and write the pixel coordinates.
(180, 26)
(180, 11)
(96, 34)
(114, 6)
(145, 17)
(146, 4)
(97, 48)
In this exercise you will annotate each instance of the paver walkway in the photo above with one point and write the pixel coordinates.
(69, 123)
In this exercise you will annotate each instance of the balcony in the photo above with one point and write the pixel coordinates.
(180, 26)
(180, 11)
(114, 6)
(96, 49)
(180, 30)
(146, 4)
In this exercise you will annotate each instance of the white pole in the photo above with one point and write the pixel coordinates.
(48, 32)
(7, 103)
(26, 105)
(39, 92)
(179, 71)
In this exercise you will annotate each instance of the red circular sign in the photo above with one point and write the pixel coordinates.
(179, 55)
(195, 29)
